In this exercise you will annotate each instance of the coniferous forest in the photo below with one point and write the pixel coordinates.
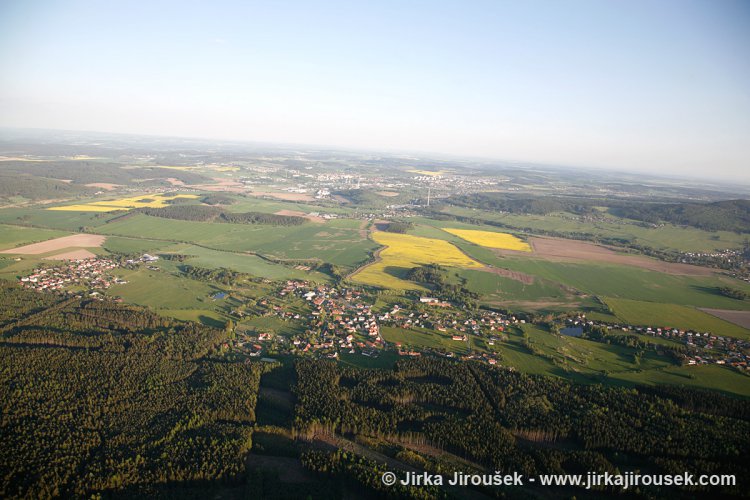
(111, 399)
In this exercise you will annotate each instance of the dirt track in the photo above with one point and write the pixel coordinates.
(75, 240)
(526, 279)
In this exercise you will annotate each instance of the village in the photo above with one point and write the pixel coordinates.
(342, 320)
(339, 320)
(700, 348)
(88, 274)
(77, 275)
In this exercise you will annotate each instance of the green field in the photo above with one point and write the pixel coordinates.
(664, 237)
(638, 312)
(163, 290)
(588, 361)
(117, 244)
(207, 317)
(335, 241)
(244, 263)
(424, 338)
(631, 283)
(64, 221)
(15, 236)
(599, 279)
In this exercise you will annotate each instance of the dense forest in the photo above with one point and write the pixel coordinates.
(33, 188)
(730, 215)
(202, 213)
(97, 396)
(500, 202)
(503, 420)
(104, 398)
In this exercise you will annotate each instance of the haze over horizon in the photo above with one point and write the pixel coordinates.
(637, 86)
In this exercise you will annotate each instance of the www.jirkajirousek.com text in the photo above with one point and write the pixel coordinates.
(588, 481)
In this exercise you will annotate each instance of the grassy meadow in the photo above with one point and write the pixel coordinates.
(673, 316)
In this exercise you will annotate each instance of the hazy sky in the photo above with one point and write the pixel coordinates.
(660, 85)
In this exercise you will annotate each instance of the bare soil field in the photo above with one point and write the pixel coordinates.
(524, 278)
(739, 318)
(558, 249)
(284, 196)
(387, 194)
(296, 213)
(81, 253)
(75, 240)
(222, 184)
(104, 185)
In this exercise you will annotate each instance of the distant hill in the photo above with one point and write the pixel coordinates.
(730, 215)
(84, 172)
(541, 205)
(35, 188)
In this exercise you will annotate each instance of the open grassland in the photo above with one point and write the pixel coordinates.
(118, 244)
(714, 377)
(385, 360)
(664, 237)
(338, 242)
(244, 263)
(148, 200)
(517, 295)
(162, 290)
(424, 338)
(204, 316)
(404, 252)
(65, 221)
(629, 283)
(491, 239)
(15, 236)
(584, 357)
(588, 361)
(637, 312)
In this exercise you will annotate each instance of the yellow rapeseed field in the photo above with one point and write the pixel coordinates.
(403, 252)
(432, 173)
(146, 200)
(491, 239)
(84, 208)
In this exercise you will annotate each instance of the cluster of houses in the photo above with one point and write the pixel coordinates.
(701, 347)
(481, 323)
(338, 320)
(89, 273)
(341, 321)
